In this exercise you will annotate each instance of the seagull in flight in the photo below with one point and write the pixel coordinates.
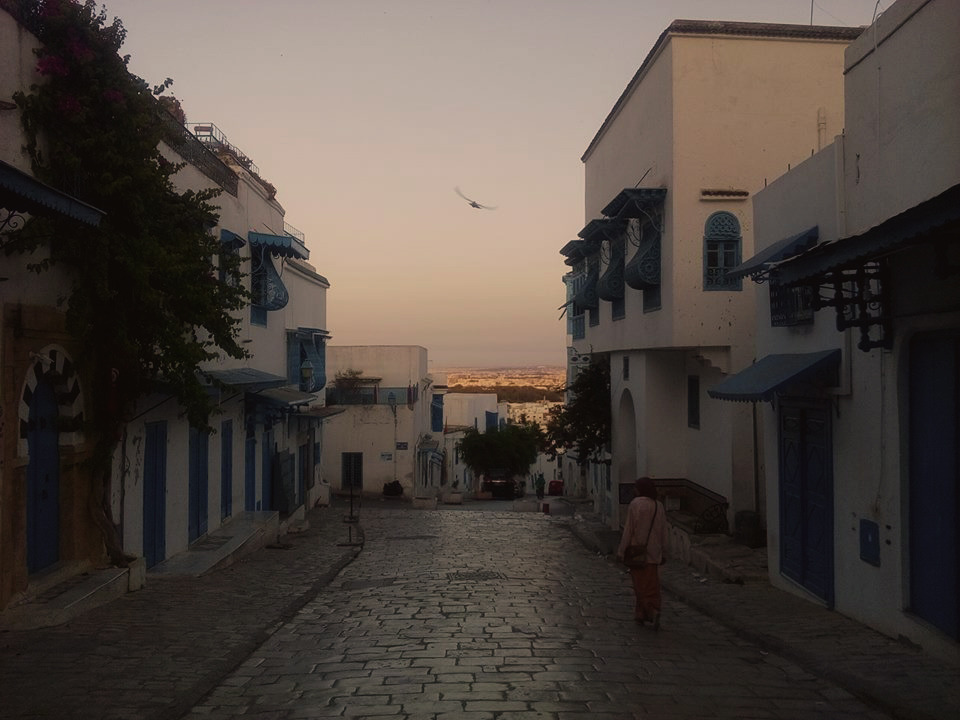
(474, 203)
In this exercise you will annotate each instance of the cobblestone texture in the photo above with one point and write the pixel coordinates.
(458, 614)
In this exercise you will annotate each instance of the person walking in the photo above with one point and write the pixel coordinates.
(645, 533)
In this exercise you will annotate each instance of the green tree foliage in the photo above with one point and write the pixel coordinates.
(513, 393)
(512, 449)
(152, 295)
(583, 423)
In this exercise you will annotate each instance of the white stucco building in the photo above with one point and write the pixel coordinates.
(384, 435)
(171, 484)
(714, 110)
(176, 483)
(858, 341)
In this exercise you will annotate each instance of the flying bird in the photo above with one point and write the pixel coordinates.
(474, 203)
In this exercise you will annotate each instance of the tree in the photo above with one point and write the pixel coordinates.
(147, 301)
(583, 423)
(511, 449)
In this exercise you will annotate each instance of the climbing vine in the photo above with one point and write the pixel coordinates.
(151, 294)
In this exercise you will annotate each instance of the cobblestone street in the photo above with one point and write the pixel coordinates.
(503, 615)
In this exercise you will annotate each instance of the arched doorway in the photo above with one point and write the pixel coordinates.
(50, 417)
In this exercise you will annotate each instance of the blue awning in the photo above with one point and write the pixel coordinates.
(758, 266)
(231, 239)
(283, 245)
(574, 251)
(600, 229)
(936, 218)
(284, 397)
(21, 192)
(763, 379)
(633, 202)
(246, 378)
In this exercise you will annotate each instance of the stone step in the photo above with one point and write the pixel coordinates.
(67, 600)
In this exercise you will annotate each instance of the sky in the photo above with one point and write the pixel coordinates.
(366, 114)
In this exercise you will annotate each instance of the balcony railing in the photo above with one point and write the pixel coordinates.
(391, 396)
(293, 232)
(195, 152)
(211, 136)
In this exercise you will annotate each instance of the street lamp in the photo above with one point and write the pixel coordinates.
(306, 374)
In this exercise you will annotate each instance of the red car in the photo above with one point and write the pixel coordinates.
(555, 487)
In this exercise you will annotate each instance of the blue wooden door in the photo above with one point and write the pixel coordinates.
(226, 469)
(155, 493)
(43, 480)
(806, 498)
(934, 499)
(199, 484)
(266, 476)
(250, 473)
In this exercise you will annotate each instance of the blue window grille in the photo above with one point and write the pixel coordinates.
(721, 251)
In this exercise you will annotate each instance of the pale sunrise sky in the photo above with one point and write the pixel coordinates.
(365, 114)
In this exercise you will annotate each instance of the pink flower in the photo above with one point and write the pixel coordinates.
(69, 105)
(53, 65)
(79, 50)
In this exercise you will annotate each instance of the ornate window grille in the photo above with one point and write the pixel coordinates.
(721, 251)
(790, 305)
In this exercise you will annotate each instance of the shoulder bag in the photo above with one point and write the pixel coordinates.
(635, 556)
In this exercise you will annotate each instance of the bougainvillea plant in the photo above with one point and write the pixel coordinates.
(147, 302)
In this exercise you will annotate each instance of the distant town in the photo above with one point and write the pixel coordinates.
(545, 377)
(539, 383)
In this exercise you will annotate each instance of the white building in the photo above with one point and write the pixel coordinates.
(858, 341)
(384, 435)
(172, 484)
(176, 483)
(714, 110)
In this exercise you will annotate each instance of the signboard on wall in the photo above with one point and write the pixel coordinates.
(401, 446)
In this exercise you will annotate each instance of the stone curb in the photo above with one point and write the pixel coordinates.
(229, 663)
(879, 693)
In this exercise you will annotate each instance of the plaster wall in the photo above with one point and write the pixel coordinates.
(18, 65)
(308, 296)
(375, 430)
(744, 109)
(129, 492)
(17, 73)
(253, 210)
(903, 95)
(468, 409)
(395, 365)
(637, 144)
(897, 152)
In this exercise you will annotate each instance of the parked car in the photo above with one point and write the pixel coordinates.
(555, 487)
(502, 488)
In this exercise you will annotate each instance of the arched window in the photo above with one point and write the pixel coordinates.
(721, 251)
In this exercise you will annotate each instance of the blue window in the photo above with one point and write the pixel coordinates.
(721, 251)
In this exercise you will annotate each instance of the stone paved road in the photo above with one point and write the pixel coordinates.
(503, 615)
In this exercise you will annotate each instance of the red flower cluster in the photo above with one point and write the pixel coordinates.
(113, 96)
(53, 65)
(79, 50)
(69, 105)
